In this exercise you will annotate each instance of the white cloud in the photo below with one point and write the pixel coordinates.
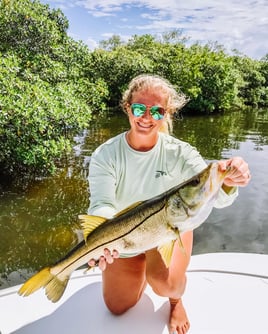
(97, 13)
(241, 24)
(91, 43)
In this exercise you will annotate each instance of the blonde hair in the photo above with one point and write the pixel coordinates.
(175, 101)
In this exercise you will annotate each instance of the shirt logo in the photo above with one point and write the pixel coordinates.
(159, 173)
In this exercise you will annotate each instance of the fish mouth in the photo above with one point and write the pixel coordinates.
(223, 174)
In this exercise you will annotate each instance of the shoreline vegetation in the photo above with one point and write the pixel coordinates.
(52, 87)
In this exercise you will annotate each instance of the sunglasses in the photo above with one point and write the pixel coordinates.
(139, 109)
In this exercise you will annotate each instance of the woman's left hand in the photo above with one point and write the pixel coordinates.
(239, 174)
(108, 257)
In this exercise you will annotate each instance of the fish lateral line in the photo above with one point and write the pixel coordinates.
(84, 242)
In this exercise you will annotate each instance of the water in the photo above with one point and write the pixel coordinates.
(38, 225)
(242, 227)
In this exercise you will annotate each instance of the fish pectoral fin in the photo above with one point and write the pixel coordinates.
(90, 223)
(132, 206)
(44, 279)
(181, 245)
(166, 251)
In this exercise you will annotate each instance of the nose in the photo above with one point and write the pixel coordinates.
(147, 113)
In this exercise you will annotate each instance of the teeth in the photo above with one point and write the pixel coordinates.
(144, 125)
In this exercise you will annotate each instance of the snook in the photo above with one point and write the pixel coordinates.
(156, 222)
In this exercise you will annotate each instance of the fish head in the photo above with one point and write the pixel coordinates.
(203, 186)
(193, 201)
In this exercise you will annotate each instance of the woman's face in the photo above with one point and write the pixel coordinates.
(146, 124)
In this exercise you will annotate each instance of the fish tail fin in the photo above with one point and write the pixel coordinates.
(36, 282)
(45, 279)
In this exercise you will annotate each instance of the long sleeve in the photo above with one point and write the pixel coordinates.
(102, 182)
(224, 199)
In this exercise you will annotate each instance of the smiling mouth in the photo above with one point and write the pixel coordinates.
(145, 126)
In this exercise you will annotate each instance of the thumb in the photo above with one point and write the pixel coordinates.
(223, 164)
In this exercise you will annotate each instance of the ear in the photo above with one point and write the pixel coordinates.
(126, 109)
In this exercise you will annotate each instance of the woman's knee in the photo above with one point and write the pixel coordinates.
(168, 287)
(123, 284)
(117, 306)
(119, 300)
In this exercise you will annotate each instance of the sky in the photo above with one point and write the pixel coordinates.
(235, 24)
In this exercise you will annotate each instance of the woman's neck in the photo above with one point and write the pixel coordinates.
(142, 143)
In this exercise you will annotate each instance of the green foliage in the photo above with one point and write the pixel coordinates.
(264, 87)
(206, 74)
(214, 82)
(28, 27)
(116, 68)
(253, 88)
(212, 79)
(45, 95)
(35, 119)
(111, 43)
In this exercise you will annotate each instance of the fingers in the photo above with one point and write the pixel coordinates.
(239, 173)
(116, 254)
(92, 263)
(107, 258)
(222, 164)
(102, 263)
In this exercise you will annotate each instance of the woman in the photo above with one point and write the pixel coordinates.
(139, 164)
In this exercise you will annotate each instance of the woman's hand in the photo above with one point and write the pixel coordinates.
(239, 174)
(108, 257)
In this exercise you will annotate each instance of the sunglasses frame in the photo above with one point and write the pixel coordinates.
(139, 109)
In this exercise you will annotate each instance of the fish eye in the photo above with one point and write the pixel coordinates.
(196, 181)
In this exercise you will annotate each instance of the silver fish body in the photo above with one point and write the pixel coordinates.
(156, 222)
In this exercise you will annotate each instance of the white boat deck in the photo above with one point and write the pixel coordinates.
(226, 293)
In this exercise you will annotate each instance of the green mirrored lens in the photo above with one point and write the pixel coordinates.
(157, 112)
(138, 109)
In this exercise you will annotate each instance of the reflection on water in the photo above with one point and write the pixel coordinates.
(39, 225)
(242, 227)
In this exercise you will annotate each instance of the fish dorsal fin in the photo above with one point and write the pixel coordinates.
(166, 251)
(132, 206)
(90, 223)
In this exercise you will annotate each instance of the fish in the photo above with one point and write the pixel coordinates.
(153, 223)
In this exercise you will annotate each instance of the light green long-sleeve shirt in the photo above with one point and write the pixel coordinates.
(120, 176)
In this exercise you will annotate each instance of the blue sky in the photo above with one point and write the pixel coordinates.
(235, 24)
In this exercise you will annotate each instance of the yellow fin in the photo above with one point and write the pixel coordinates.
(132, 206)
(181, 245)
(44, 279)
(55, 288)
(36, 282)
(166, 251)
(90, 223)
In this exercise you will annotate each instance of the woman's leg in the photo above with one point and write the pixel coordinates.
(123, 283)
(170, 282)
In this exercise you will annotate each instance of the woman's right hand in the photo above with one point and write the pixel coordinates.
(107, 257)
